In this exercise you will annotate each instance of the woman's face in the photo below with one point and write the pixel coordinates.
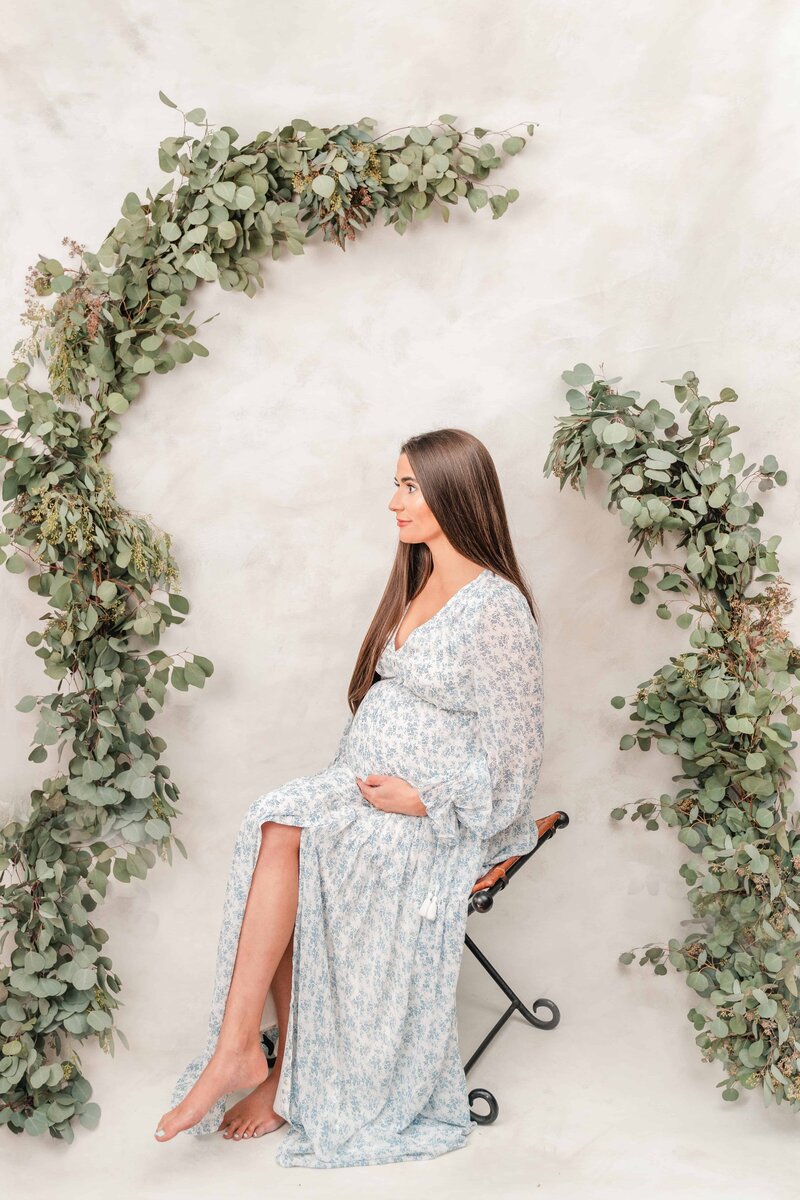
(415, 521)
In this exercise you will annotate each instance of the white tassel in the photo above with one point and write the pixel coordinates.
(428, 906)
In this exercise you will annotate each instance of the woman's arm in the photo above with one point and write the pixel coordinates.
(499, 783)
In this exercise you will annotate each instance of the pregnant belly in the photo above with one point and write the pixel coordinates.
(396, 732)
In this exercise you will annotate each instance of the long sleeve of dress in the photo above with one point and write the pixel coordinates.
(492, 795)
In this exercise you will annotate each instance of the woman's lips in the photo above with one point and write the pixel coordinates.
(399, 522)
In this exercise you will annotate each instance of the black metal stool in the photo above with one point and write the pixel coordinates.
(481, 900)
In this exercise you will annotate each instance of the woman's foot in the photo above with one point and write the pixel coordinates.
(228, 1071)
(254, 1116)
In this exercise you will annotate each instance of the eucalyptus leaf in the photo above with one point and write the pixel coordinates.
(323, 185)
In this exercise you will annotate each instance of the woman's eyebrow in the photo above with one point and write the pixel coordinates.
(405, 479)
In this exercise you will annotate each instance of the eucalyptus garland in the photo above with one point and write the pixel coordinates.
(725, 709)
(99, 325)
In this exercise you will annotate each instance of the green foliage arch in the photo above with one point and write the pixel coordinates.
(725, 709)
(98, 327)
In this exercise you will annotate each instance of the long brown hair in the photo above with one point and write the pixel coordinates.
(459, 482)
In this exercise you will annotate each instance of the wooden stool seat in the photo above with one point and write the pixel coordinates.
(500, 870)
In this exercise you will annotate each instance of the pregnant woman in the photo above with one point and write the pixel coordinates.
(347, 894)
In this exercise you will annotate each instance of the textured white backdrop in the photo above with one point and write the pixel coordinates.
(656, 232)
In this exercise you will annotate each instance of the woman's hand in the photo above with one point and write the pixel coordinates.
(390, 793)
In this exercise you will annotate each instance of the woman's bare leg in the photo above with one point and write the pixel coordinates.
(270, 912)
(255, 1115)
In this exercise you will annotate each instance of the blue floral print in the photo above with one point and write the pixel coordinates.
(372, 1071)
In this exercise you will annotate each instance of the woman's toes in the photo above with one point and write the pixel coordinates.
(170, 1124)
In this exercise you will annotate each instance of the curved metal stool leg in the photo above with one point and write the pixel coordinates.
(516, 1003)
(483, 1118)
(269, 1041)
(555, 1015)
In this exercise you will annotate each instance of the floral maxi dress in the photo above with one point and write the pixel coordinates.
(372, 1071)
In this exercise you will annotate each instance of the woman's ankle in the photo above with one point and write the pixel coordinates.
(238, 1043)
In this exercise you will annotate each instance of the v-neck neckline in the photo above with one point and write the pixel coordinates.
(458, 592)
